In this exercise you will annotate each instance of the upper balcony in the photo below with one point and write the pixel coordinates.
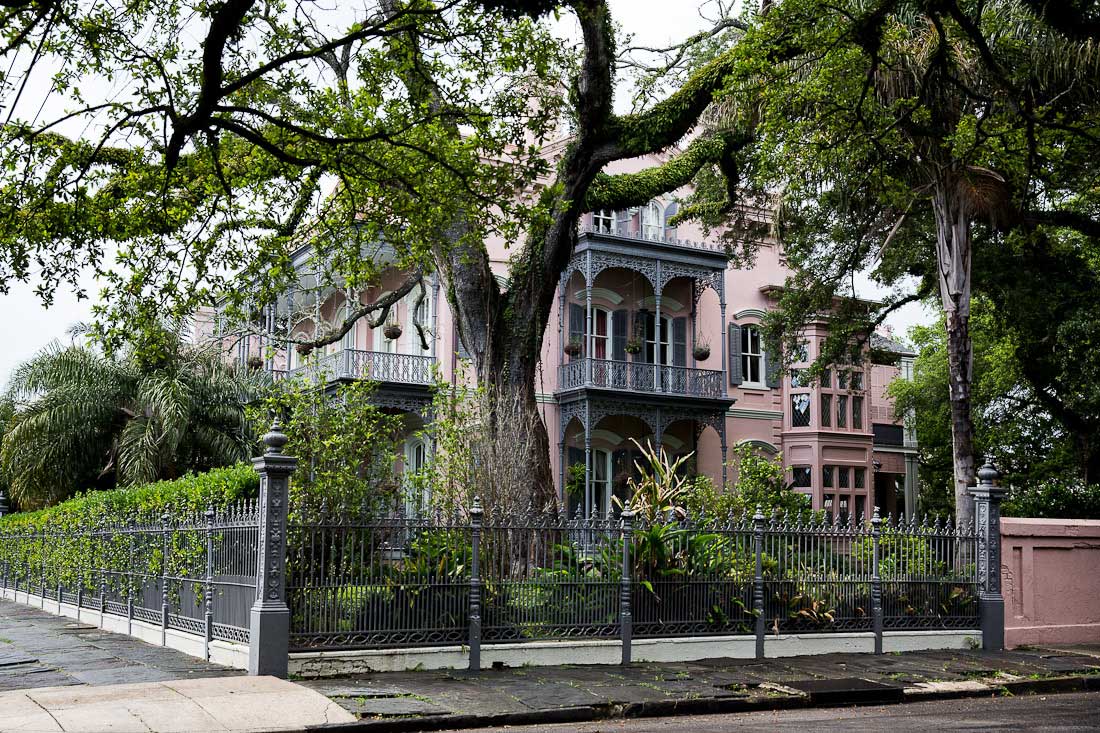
(643, 378)
(379, 366)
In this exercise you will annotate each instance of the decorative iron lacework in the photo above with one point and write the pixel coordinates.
(657, 271)
(225, 632)
(656, 418)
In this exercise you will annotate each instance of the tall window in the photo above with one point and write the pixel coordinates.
(603, 221)
(827, 477)
(857, 412)
(752, 357)
(601, 333)
(416, 456)
(653, 354)
(841, 411)
(826, 410)
(601, 480)
(653, 226)
(421, 314)
(800, 410)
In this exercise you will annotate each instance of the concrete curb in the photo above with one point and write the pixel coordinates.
(701, 706)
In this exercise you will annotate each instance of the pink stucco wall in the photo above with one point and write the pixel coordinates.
(1050, 582)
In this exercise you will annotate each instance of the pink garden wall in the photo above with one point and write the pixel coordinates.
(1050, 570)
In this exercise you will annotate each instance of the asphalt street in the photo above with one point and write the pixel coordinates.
(1065, 713)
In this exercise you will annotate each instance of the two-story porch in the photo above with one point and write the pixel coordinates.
(640, 320)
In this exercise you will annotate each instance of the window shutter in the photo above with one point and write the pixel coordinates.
(576, 325)
(618, 335)
(772, 365)
(679, 341)
(643, 328)
(736, 377)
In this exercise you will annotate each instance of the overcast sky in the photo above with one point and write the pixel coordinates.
(26, 327)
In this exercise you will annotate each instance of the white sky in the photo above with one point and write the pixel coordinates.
(26, 327)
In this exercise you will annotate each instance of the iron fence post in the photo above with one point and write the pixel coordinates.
(79, 569)
(475, 586)
(987, 514)
(626, 586)
(130, 576)
(164, 579)
(42, 568)
(876, 580)
(758, 579)
(269, 627)
(102, 579)
(208, 584)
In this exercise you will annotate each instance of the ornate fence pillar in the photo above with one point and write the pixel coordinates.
(476, 514)
(758, 579)
(269, 637)
(626, 584)
(876, 579)
(987, 517)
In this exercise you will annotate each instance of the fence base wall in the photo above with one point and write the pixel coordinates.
(682, 649)
(221, 652)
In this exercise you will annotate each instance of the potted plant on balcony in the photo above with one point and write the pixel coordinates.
(701, 352)
(633, 345)
(392, 330)
(573, 346)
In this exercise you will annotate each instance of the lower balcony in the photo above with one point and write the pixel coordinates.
(377, 366)
(633, 376)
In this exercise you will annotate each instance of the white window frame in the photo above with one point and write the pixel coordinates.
(411, 463)
(408, 332)
(748, 331)
(652, 221)
(601, 458)
(603, 221)
(666, 341)
(607, 338)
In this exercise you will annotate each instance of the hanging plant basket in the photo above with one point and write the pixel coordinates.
(255, 363)
(701, 352)
(392, 331)
(633, 346)
(572, 347)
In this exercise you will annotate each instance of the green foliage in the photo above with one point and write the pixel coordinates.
(83, 419)
(760, 481)
(899, 555)
(1010, 421)
(180, 497)
(346, 446)
(661, 486)
(1054, 498)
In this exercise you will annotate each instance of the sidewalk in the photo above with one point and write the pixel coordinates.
(527, 695)
(60, 675)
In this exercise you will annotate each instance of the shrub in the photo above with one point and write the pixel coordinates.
(178, 497)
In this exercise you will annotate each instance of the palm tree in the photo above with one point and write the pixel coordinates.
(87, 420)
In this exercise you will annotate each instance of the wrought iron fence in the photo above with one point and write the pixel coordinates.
(636, 376)
(431, 580)
(195, 573)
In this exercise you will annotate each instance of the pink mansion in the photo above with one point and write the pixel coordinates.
(654, 337)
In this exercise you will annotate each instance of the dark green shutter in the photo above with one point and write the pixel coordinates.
(618, 335)
(576, 325)
(679, 341)
(643, 324)
(736, 377)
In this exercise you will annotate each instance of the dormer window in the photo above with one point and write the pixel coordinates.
(653, 225)
(603, 221)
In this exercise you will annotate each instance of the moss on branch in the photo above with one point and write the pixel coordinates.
(634, 189)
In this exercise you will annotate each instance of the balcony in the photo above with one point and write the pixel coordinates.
(377, 366)
(655, 379)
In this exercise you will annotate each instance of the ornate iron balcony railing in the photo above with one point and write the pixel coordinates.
(379, 366)
(634, 376)
(618, 230)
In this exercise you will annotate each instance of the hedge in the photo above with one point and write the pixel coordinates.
(182, 497)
